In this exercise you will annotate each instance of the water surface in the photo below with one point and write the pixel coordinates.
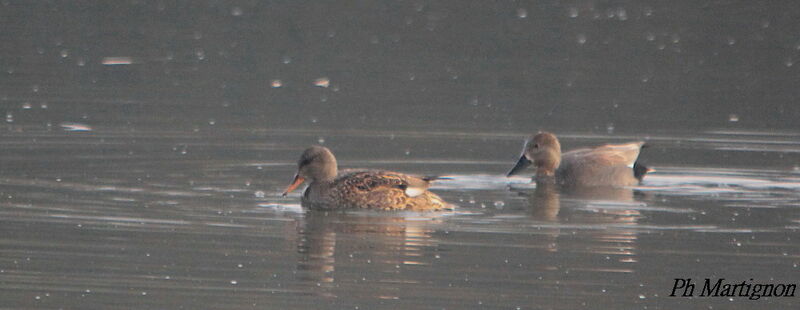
(146, 144)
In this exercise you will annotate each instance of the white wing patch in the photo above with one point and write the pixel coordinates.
(414, 191)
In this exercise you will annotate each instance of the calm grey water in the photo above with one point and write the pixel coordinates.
(146, 144)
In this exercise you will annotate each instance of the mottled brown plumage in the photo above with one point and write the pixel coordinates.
(382, 190)
(607, 165)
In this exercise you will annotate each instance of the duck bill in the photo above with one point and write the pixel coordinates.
(522, 163)
(295, 183)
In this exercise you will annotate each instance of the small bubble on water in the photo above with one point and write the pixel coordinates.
(573, 12)
(731, 40)
(237, 11)
(26, 106)
(733, 118)
(622, 15)
(610, 128)
(522, 13)
(408, 152)
(499, 204)
(259, 194)
(144, 293)
(35, 88)
(641, 296)
(323, 82)
(314, 120)
(212, 122)
(38, 297)
(789, 63)
(321, 140)
(234, 282)
(276, 83)
(9, 118)
(581, 38)
(240, 265)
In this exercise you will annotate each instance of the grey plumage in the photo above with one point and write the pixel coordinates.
(607, 165)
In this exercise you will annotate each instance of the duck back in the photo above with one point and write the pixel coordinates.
(607, 165)
(382, 190)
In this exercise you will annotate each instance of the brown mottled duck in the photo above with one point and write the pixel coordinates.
(371, 189)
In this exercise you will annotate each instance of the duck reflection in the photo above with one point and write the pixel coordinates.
(545, 201)
(378, 244)
(609, 215)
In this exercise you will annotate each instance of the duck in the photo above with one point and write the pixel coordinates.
(353, 189)
(610, 165)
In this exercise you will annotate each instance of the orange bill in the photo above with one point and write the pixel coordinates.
(297, 181)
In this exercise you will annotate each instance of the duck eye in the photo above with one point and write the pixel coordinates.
(536, 145)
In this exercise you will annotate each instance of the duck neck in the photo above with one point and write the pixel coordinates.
(547, 164)
(327, 173)
(320, 183)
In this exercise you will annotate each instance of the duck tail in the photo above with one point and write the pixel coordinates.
(431, 178)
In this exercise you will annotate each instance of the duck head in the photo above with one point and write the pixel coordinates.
(316, 164)
(543, 151)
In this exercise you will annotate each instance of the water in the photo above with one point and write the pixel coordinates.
(146, 146)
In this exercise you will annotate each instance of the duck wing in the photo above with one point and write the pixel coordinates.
(364, 182)
(604, 156)
(607, 165)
